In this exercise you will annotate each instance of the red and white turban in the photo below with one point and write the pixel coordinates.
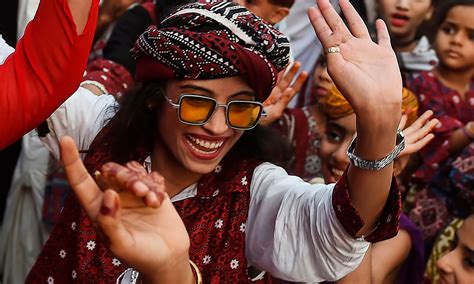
(209, 41)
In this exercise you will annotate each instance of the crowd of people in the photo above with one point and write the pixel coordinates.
(284, 141)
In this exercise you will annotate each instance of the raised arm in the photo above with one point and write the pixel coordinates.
(368, 76)
(47, 66)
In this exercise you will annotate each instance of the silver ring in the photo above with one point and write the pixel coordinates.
(333, 49)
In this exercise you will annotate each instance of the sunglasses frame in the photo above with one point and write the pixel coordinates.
(177, 106)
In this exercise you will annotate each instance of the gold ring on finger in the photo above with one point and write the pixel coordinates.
(333, 49)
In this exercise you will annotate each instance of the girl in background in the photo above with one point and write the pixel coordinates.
(404, 19)
(448, 91)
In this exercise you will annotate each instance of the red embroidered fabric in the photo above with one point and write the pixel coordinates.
(112, 76)
(389, 221)
(452, 111)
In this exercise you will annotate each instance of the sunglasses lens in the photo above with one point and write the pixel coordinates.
(244, 114)
(196, 109)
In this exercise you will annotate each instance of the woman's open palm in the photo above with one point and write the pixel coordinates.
(364, 71)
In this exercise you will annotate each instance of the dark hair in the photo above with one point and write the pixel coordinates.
(441, 11)
(163, 8)
(283, 3)
(134, 127)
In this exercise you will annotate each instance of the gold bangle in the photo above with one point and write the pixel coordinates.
(198, 273)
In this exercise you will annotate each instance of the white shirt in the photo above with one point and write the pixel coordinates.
(5, 50)
(292, 230)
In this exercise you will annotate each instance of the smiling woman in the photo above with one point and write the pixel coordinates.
(217, 200)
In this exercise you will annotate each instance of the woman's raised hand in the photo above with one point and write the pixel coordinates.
(365, 72)
(133, 212)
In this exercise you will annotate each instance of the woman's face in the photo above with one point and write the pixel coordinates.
(403, 17)
(454, 42)
(198, 149)
(322, 82)
(337, 137)
(457, 266)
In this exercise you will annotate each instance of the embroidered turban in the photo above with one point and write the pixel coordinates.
(209, 41)
(335, 106)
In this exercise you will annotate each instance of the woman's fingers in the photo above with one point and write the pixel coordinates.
(418, 123)
(382, 33)
(326, 35)
(83, 185)
(109, 221)
(355, 22)
(333, 19)
(403, 122)
(418, 145)
(289, 76)
(302, 77)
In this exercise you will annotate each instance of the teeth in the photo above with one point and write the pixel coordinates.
(205, 144)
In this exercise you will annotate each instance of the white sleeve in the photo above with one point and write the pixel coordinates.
(82, 116)
(292, 231)
(5, 50)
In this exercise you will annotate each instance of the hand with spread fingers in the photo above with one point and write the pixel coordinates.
(282, 94)
(364, 71)
(134, 213)
(417, 136)
(368, 76)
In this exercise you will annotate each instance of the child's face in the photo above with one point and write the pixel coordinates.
(457, 266)
(266, 10)
(454, 42)
(322, 82)
(403, 17)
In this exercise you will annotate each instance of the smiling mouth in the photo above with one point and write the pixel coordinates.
(203, 146)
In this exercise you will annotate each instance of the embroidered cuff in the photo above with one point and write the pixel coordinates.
(352, 222)
(113, 77)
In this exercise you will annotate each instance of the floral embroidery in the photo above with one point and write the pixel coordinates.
(73, 226)
(242, 227)
(116, 262)
(50, 280)
(244, 180)
(218, 169)
(90, 245)
(234, 264)
(62, 253)
(206, 259)
(74, 274)
(215, 193)
(219, 223)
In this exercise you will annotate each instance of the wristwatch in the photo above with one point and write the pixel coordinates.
(376, 165)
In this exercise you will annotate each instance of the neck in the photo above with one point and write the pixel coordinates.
(404, 44)
(177, 177)
(459, 80)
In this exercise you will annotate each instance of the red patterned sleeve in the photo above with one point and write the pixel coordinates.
(45, 69)
(110, 77)
(350, 219)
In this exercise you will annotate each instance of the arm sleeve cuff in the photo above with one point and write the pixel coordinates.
(350, 219)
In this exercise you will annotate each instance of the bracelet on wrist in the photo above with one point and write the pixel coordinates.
(196, 272)
(376, 165)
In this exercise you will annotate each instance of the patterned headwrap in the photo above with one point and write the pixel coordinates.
(209, 41)
(335, 106)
